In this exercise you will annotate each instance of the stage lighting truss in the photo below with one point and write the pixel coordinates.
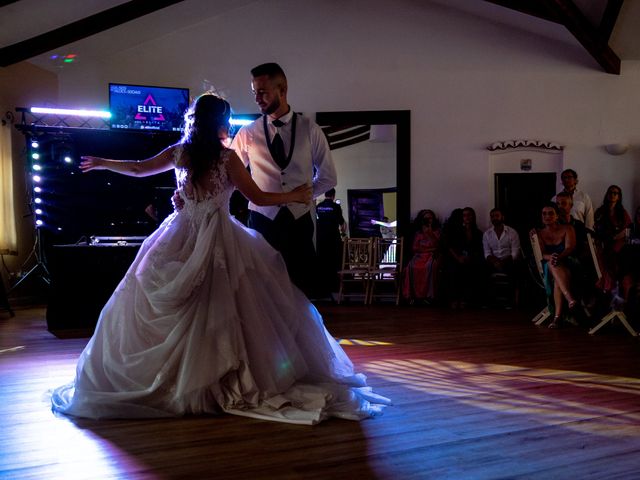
(36, 158)
(58, 117)
(47, 156)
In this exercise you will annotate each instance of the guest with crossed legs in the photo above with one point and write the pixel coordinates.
(557, 242)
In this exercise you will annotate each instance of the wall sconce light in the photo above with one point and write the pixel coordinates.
(616, 148)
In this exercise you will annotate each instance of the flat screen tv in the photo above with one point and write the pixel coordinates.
(140, 107)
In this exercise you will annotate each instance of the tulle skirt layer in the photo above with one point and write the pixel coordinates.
(206, 320)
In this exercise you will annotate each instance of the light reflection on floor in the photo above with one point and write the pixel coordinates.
(57, 445)
(548, 396)
(360, 343)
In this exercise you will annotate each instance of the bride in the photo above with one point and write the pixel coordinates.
(206, 319)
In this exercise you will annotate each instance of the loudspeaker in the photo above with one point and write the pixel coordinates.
(83, 277)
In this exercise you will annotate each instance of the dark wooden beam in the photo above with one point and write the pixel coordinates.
(529, 7)
(80, 29)
(609, 18)
(565, 12)
(588, 35)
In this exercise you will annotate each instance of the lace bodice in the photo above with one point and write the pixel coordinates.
(214, 190)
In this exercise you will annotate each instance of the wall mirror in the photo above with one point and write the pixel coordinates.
(371, 150)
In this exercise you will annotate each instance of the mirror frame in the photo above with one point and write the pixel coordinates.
(402, 120)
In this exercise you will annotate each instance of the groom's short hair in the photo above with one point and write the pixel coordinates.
(270, 69)
(274, 72)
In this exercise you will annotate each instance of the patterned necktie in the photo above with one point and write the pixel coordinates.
(278, 146)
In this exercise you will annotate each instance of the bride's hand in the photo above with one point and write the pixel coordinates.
(91, 163)
(302, 194)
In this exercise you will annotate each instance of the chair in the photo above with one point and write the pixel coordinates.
(386, 269)
(545, 313)
(614, 312)
(354, 273)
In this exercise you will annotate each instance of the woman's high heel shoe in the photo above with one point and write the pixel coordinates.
(571, 302)
(555, 323)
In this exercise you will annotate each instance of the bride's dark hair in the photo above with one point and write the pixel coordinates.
(203, 120)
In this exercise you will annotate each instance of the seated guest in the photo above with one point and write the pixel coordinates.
(465, 261)
(416, 224)
(611, 224)
(565, 217)
(629, 273)
(580, 261)
(630, 269)
(421, 273)
(501, 245)
(634, 229)
(557, 243)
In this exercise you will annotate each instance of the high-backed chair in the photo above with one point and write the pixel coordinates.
(357, 254)
(614, 312)
(385, 279)
(545, 313)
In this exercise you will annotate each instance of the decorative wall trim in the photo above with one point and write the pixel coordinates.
(507, 144)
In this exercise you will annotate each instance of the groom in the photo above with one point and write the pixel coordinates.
(283, 149)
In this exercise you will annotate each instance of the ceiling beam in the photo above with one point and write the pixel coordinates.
(80, 29)
(588, 35)
(529, 7)
(609, 18)
(565, 12)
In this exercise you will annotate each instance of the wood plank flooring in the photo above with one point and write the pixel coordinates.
(477, 394)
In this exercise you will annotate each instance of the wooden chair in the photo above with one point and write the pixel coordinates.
(353, 277)
(614, 312)
(385, 279)
(540, 318)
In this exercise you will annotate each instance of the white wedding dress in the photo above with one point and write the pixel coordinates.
(206, 320)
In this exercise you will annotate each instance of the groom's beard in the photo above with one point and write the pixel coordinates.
(272, 107)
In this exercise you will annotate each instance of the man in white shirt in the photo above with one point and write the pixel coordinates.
(284, 150)
(501, 243)
(582, 206)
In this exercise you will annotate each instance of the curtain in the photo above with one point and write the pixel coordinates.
(8, 233)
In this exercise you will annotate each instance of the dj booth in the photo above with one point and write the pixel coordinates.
(83, 277)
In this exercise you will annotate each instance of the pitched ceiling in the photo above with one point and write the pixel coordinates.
(607, 29)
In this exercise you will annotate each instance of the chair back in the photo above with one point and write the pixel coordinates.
(594, 255)
(537, 252)
(386, 269)
(387, 254)
(357, 254)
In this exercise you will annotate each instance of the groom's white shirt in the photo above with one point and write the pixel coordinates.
(311, 160)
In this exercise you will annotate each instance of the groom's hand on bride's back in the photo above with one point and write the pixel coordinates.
(177, 201)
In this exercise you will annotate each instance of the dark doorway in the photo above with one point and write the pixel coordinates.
(520, 196)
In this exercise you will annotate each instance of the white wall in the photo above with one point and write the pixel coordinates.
(467, 82)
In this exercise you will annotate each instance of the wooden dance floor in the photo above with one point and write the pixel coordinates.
(477, 395)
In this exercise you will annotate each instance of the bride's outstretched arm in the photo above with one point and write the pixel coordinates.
(159, 163)
(243, 182)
